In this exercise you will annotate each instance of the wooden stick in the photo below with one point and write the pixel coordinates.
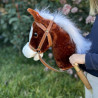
(83, 77)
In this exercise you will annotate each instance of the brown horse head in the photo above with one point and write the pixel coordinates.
(38, 32)
(66, 39)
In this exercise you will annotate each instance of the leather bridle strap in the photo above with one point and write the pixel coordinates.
(48, 66)
(46, 34)
(49, 40)
(41, 26)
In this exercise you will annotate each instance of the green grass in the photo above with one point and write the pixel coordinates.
(24, 78)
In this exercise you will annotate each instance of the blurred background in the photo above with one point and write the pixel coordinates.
(24, 78)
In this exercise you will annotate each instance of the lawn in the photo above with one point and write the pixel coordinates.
(24, 78)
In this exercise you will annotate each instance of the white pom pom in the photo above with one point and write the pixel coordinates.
(36, 57)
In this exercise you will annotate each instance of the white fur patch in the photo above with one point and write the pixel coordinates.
(82, 44)
(31, 33)
(36, 57)
(29, 53)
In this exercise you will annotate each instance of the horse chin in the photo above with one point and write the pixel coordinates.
(29, 53)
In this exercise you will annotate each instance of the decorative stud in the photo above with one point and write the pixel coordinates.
(47, 31)
(38, 47)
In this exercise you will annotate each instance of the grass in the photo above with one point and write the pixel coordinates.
(24, 78)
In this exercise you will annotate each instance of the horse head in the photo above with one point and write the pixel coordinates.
(59, 33)
(35, 36)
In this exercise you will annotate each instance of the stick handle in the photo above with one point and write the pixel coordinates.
(82, 77)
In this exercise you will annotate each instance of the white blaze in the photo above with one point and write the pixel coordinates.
(31, 33)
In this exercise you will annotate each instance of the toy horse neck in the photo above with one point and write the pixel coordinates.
(62, 47)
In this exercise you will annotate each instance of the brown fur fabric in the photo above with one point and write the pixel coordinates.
(62, 46)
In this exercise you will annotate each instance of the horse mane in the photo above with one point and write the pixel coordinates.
(82, 44)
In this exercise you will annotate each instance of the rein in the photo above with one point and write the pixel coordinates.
(48, 36)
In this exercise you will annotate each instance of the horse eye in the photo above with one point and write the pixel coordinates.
(35, 34)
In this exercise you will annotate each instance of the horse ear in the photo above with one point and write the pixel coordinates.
(35, 14)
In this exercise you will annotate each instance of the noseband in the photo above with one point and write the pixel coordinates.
(48, 36)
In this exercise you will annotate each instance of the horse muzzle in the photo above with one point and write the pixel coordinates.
(29, 53)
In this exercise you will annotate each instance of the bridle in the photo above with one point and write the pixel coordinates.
(48, 36)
